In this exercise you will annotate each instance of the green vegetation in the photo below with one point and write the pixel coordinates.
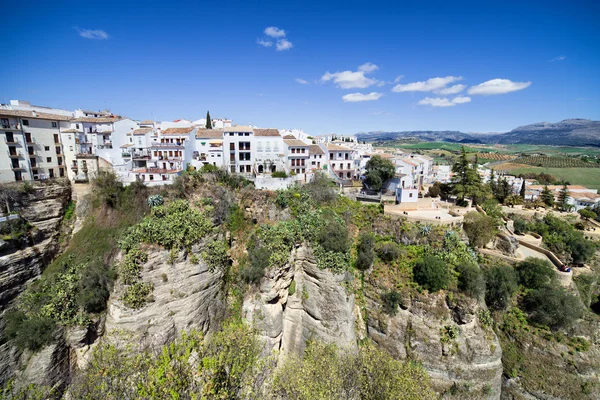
(551, 306)
(501, 285)
(588, 177)
(432, 273)
(378, 170)
(534, 273)
(365, 254)
(327, 373)
(279, 174)
(555, 162)
(480, 229)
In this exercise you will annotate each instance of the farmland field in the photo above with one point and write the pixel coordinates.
(555, 162)
(589, 177)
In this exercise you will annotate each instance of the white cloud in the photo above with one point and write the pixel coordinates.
(274, 32)
(368, 67)
(265, 43)
(429, 85)
(451, 90)
(92, 34)
(353, 79)
(284, 44)
(498, 86)
(443, 101)
(356, 97)
(301, 81)
(398, 78)
(559, 58)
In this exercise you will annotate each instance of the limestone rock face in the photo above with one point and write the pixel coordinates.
(448, 339)
(43, 208)
(185, 296)
(48, 367)
(507, 244)
(300, 302)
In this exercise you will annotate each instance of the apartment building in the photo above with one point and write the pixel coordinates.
(238, 149)
(31, 148)
(297, 155)
(269, 151)
(207, 149)
(341, 160)
(316, 157)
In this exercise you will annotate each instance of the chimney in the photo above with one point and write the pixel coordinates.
(34, 113)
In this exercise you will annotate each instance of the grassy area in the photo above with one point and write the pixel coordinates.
(589, 177)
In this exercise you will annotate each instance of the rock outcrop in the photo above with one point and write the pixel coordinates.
(185, 296)
(446, 336)
(300, 302)
(43, 208)
(21, 263)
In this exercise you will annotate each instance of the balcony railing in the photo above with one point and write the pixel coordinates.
(36, 167)
(126, 155)
(19, 167)
(29, 140)
(74, 167)
(10, 126)
(18, 154)
(158, 145)
(11, 142)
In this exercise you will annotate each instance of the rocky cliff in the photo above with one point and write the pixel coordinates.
(22, 262)
(299, 302)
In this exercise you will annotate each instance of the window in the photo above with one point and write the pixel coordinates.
(151, 177)
(69, 137)
(259, 146)
(46, 148)
(54, 125)
(70, 148)
(410, 195)
(275, 146)
(26, 122)
(241, 169)
(76, 126)
(48, 159)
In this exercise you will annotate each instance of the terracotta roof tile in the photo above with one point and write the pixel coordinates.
(266, 132)
(295, 143)
(100, 120)
(239, 128)
(177, 131)
(37, 115)
(335, 147)
(209, 134)
(142, 131)
(147, 122)
(315, 149)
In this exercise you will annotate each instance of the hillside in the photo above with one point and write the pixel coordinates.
(569, 132)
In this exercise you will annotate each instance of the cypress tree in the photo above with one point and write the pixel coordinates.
(522, 194)
(563, 197)
(208, 121)
(547, 197)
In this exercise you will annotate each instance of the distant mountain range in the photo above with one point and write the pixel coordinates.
(570, 132)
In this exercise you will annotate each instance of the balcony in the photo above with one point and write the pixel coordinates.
(18, 154)
(85, 155)
(10, 126)
(31, 155)
(19, 167)
(74, 167)
(11, 142)
(29, 140)
(35, 167)
(167, 145)
(126, 155)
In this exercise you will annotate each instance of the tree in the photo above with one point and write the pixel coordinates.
(470, 279)
(547, 197)
(563, 199)
(553, 307)
(503, 190)
(466, 180)
(501, 284)
(513, 200)
(435, 190)
(208, 121)
(492, 183)
(522, 193)
(365, 253)
(586, 213)
(535, 273)
(378, 170)
(334, 234)
(432, 273)
(479, 228)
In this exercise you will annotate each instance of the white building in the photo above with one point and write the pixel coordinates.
(238, 149)
(31, 147)
(208, 148)
(297, 154)
(269, 151)
(341, 160)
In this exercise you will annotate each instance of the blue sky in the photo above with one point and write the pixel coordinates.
(363, 65)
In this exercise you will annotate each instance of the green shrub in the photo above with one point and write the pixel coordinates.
(107, 188)
(136, 295)
(279, 174)
(501, 284)
(480, 229)
(365, 254)
(334, 235)
(521, 225)
(321, 189)
(215, 255)
(29, 332)
(388, 251)
(553, 307)
(391, 300)
(470, 279)
(93, 287)
(432, 273)
(533, 273)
